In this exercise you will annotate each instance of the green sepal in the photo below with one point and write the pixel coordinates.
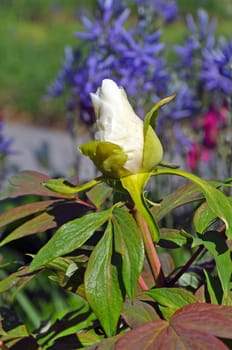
(64, 187)
(150, 118)
(108, 157)
(135, 184)
(153, 150)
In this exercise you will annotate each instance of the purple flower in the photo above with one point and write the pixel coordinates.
(216, 73)
(164, 9)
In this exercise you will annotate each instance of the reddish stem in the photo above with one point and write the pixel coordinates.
(142, 283)
(151, 252)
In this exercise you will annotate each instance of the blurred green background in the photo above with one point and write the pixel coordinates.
(33, 36)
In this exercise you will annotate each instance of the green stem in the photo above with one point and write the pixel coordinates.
(151, 252)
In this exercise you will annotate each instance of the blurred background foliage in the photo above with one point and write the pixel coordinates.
(33, 37)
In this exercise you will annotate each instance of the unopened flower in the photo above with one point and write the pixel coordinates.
(123, 144)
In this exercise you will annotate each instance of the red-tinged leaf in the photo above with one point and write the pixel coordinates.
(193, 327)
(143, 337)
(38, 224)
(25, 210)
(29, 182)
(138, 312)
(106, 344)
(212, 319)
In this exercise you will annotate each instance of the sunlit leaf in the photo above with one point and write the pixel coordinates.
(102, 286)
(129, 244)
(69, 237)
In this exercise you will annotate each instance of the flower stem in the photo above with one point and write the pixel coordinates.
(151, 252)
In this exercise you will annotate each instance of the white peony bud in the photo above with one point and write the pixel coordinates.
(123, 144)
(117, 123)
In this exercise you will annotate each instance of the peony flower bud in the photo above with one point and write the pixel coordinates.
(118, 125)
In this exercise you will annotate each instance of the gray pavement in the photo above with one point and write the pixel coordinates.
(48, 151)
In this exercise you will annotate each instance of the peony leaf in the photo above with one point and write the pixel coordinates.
(216, 244)
(203, 217)
(25, 210)
(218, 202)
(185, 194)
(99, 193)
(40, 223)
(194, 326)
(29, 182)
(171, 299)
(102, 286)
(129, 244)
(69, 237)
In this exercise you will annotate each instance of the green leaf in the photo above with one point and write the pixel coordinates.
(102, 285)
(99, 193)
(171, 299)
(203, 218)
(64, 187)
(135, 184)
(217, 200)
(173, 238)
(108, 157)
(216, 244)
(69, 237)
(214, 288)
(38, 224)
(185, 194)
(129, 244)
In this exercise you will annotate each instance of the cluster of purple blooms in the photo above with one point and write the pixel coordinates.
(129, 50)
